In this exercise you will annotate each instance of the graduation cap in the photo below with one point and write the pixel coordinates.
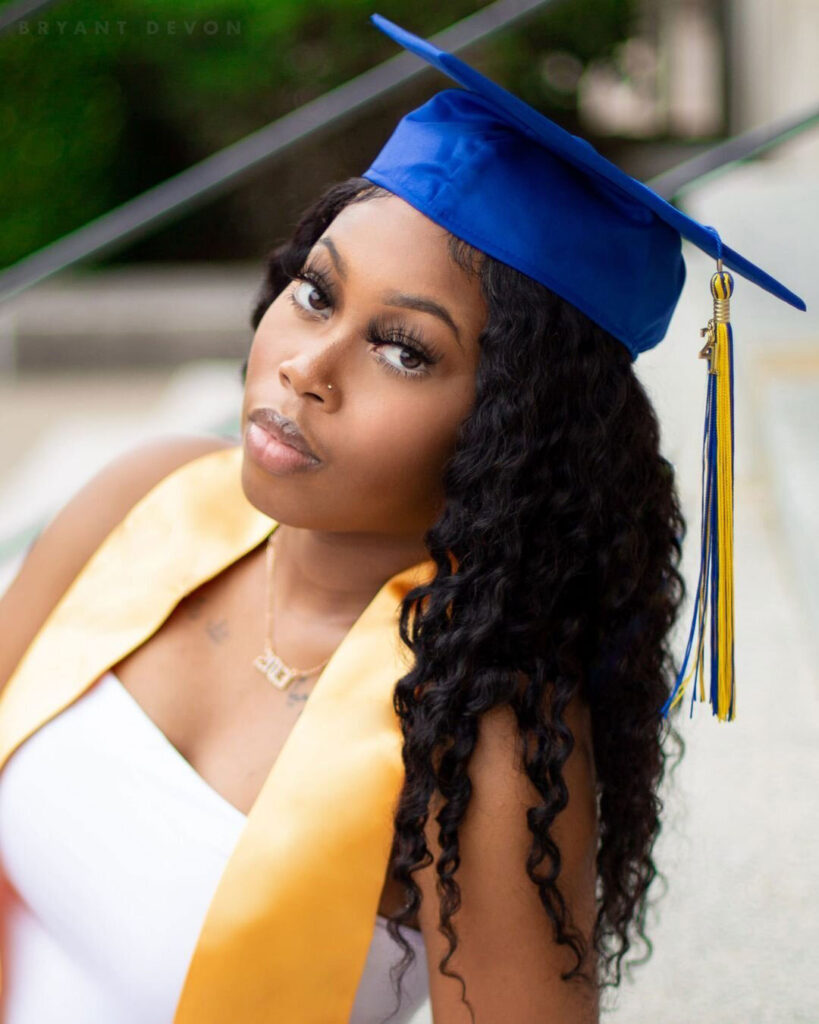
(503, 177)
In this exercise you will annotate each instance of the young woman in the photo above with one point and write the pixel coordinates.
(563, 517)
(461, 425)
(386, 677)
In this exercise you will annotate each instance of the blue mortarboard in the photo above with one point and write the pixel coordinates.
(500, 175)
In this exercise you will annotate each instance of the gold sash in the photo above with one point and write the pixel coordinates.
(288, 929)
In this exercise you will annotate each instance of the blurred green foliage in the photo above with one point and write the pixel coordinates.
(100, 103)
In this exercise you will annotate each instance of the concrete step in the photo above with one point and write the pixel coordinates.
(130, 316)
(57, 431)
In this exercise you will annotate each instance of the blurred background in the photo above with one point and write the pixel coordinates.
(152, 153)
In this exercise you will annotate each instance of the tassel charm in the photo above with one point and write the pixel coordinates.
(715, 588)
(708, 348)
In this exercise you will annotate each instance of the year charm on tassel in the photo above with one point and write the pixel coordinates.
(707, 349)
(715, 587)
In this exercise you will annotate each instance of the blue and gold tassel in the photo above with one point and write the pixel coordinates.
(717, 511)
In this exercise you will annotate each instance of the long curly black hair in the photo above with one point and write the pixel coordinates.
(566, 528)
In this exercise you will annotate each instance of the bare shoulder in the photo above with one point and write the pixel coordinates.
(506, 950)
(77, 530)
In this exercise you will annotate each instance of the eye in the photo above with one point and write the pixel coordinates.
(312, 283)
(397, 340)
(307, 287)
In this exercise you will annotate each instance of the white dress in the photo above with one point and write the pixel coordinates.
(111, 847)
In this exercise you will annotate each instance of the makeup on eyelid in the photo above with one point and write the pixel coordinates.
(382, 331)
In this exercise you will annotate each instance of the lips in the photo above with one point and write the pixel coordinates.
(284, 429)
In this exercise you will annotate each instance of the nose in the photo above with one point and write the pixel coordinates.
(314, 373)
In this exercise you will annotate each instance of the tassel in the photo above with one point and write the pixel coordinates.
(717, 512)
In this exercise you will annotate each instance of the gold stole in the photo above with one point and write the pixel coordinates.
(287, 932)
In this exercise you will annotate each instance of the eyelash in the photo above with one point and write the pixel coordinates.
(378, 334)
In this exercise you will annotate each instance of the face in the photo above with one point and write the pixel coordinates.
(384, 315)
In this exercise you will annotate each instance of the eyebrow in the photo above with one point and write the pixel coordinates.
(421, 303)
(335, 255)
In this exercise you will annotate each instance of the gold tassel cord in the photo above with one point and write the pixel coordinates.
(715, 587)
(722, 288)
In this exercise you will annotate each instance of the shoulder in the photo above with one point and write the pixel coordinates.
(506, 949)
(77, 530)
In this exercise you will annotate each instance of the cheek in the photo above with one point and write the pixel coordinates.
(405, 446)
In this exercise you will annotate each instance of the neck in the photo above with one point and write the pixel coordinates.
(334, 576)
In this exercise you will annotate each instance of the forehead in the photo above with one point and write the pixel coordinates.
(389, 243)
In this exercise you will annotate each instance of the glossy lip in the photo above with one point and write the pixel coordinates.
(283, 429)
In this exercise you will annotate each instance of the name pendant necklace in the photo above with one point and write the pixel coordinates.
(272, 667)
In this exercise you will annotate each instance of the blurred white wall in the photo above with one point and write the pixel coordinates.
(774, 65)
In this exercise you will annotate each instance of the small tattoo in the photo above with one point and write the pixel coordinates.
(296, 698)
(218, 631)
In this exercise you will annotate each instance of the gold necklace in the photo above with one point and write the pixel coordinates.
(270, 664)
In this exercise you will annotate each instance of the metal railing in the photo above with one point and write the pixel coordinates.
(720, 158)
(16, 12)
(223, 170)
